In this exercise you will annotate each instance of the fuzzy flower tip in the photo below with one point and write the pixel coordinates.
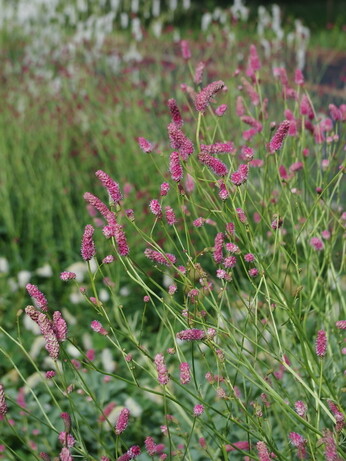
(110, 185)
(162, 372)
(185, 376)
(192, 334)
(175, 113)
(175, 167)
(155, 208)
(262, 451)
(145, 145)
(278, 138)
(198, 410)
(215, 165)
(203, 98)
(122, 422)
(66, 276)
(88, 249)
(321, 343)
(166, 259)
(38, 296)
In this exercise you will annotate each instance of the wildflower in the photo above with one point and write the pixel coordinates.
(110, 185)
(120, 238)
(341, 324)
(170, 215)
(146, 299)
(240, 445)
(50, 374)
(98, 328)
(65, 276)
(232, 248)
(230, 227)
(229, 262)
(249, 258)
(65, 455)
(203, 98)
(172, 289)
(150, 446)
(247, 153)
(330, 450)
(298, 441)
(88, 249)
(278, 138)
(198, 410)
(185, 376)
(222, 274)
(240, 176)
(240, 107)
(253, 272)
(199, 73)
(218, 148)
(3, 405)
(155, 208)
(202, 442)
(241, 215)
(321, 343)
(298, 77)
(167, 259)
(66, 439)
(59, 326)
(161, 368)
(317, 243)
(252, 93)
(191, 335)
(300, 408)
(38, 297)
(198, 222)
(255, 124)
(175, 167)
(335, 113)
(175, 113)
(223, 192)
(164, 188)
(185, 50)
(339, 417)
(218, 167)
(306, 108)
(262, 450)
(108, 259)
(219, 111)
(44, 456)
(276, 223)
(296, 166)
(100, 206)
(218, 244)
(145, 145)
(122, 421)
(179, 141)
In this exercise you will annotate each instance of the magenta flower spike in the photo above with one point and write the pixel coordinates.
(218, 148)
(321, 343)
(262, 451)
(192, 334)
(199, 72)
(215, 165)
(37, 296)
(203, 98)
(175, 113)
(175, 167)
(162, 372)
(59, 326)
(88, 249)
(122, 421)
(278, 138)
(166, 259)
(185, 375)
(185, 50)
(145, 145)
(110, 185)
(3, 405)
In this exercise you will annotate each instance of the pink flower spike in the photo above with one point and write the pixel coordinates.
(262, 451)
(191, 335)
(88, 249)
(50, 374)
(110, 185)
(175, 167)
(218, 245)
(150, 446)
(166, 259)
(185, 375)
(249, 258)
(299, 77)
(39, 298)
(198, 410)
(218, 167)
(199, 72)
(122, 421)
(179, 141)
(66, 276)
(145, 145)
(164, 189)
(321, 343)
(341, 324)
(185, 50)
(175, 113)
(98, 328)
(162, 372)
(59, 326)
(219, 111)
(317, 243)
(278, 138)
(306, 108)
(300, 408)
(65, 455)
(170, 216)
(203, 98)
(155, 208)
(218, 148)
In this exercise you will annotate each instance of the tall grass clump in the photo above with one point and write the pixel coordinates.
(227, 342)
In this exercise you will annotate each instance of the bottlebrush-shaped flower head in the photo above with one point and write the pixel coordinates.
(203, 98)
(88, 249)
(39, 298)
(192, 334)
(218, 167)
(145, 145)
(112, 186)
(166, 259)
(175, 167)
(175, 113)
(278, 138)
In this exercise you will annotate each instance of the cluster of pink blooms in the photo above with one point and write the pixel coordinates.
(111, 186)
(66, 275)
(240, 176)
(298, 441)
(317, 243)
(122, 421)
(98, 328)
(131, 453)
(179, 141)
(145, 145)
(3, 405)
(321, 343)
(38, 297)
(185, 375)
(218, 148)
(155, 208)
(278, 138)
(216, 166)
(175, 167)
(162, 372)
(203, 98)
(193, 334)
(88, 249)
(166, 259)
(54, 331)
